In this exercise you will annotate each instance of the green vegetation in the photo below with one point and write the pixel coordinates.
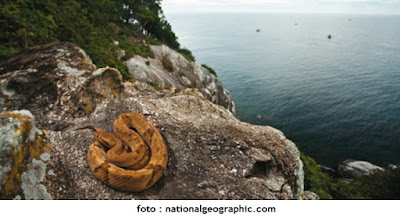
(210, 69)
(167, 64)
(315, 180)
(134, 47)
(154, 85)
(381, 185)
(187, 54)
(91, 24)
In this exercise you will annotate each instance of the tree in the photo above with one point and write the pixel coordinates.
(91, 24)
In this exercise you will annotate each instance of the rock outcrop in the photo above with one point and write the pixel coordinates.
(352, 169)
(180, 74)
(212, 155)
(309, 195)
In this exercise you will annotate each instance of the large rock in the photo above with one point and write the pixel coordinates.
(212, 155)
(183, 74)
(352, 169)
(57, 82)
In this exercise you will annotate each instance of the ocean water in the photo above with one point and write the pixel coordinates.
(335, 98)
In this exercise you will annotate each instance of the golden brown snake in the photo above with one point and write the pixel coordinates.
(132, 158)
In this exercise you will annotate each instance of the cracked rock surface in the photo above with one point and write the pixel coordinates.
(184, 74)
(212, 155)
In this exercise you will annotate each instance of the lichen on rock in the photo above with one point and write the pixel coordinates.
(20, 142)
(32, 181)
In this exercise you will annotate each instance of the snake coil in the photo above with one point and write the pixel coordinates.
(132, 158)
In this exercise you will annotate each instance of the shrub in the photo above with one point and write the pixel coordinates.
(380, 185)
(134, 47)
(212, 71)
(154, 85)
(167, 64)
(187, 54)
(314, 179)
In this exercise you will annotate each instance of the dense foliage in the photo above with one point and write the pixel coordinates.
(315, 180)
(381, 185)
(212, 71)
(91, 24)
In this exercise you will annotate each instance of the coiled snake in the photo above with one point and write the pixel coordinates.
(132, 158)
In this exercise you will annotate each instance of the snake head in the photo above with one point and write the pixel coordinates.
(106, 139)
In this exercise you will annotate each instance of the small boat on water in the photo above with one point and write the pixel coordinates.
(329, 36)
(258, 30)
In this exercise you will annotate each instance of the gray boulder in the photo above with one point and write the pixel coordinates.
(352, 169)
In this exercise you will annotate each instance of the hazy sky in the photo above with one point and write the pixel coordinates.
(315, 6)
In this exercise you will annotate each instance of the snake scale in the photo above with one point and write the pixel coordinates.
(132, 158)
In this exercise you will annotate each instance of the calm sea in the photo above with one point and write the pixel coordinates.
(335, 98)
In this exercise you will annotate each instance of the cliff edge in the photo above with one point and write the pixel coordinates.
(170, 70)
(49, 91)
